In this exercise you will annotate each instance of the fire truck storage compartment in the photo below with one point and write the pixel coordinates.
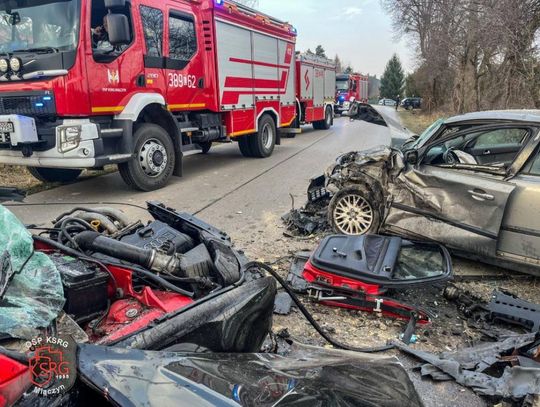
(256, 74)
(316, 84)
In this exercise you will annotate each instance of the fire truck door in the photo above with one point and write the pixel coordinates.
(186, 41)
(111, 71)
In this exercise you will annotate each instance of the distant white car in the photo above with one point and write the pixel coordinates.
(387, 102)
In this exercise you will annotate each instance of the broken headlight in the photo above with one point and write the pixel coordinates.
(68, 138)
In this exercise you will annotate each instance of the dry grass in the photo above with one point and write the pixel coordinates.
(417, 121)
(19, 177)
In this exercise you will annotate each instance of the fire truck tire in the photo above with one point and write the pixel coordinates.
(154, 160)
(245, 147)
(352, 211)
(263, 142)
(327, 122)
(206, 146)
(54, 174)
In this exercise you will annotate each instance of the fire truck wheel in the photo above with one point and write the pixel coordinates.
(327, 122)
(263, 142)
(352, 212)
(54, 174)
(245, 148)
(154, 160)
(206, 146)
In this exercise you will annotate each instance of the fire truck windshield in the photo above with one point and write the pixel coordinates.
(342, 85)
(39, 26)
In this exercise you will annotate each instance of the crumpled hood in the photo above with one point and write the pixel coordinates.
(382, 116)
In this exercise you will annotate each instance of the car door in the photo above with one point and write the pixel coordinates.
(520, 231)
(461, 206)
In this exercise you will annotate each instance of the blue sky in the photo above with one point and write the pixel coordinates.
(359, 31)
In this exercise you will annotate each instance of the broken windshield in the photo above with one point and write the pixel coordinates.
(426, 135)
(39, 26)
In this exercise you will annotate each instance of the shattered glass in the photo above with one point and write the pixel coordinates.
(33, 294)
(419, 262)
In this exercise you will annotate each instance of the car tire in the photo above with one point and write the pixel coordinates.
(205, 147)
(154, 160)
(263, 142)
(54, 174)
(244, 145)
(352, 211)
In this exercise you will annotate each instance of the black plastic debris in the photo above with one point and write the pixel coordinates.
(486, 368)
(283, 303)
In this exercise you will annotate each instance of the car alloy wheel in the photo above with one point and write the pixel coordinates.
(353, 215)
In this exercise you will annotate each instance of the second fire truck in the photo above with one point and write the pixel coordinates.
(350, 88)
(137, 83)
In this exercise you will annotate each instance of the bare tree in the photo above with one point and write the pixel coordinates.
(473, 54)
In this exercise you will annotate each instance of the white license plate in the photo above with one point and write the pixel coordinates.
(7, 127)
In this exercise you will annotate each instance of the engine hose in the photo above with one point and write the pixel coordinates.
(147, 274)
(310, 318)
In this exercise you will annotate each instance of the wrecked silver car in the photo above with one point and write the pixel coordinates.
(471, 182)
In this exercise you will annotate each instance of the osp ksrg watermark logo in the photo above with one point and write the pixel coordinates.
(53, 364)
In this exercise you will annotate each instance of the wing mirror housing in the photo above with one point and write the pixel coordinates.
(118, 29)
(411, 157)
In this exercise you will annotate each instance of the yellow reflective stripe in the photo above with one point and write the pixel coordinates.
(187, 106)
(104, 109)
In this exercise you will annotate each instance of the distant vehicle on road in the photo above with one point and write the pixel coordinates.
(471, 182)
(387, 102)
(350, 88)
(411, 103)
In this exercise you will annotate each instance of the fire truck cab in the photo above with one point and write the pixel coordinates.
(350, 88)
(137, 83)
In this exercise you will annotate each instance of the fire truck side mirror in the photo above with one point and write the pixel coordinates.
(115, 3)
(118, 29)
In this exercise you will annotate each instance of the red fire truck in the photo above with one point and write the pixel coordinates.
(86, 83)
(350, 88)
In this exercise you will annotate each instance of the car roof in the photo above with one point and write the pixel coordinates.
(511, 115)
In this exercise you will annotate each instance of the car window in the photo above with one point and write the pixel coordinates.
(489, 148)
(500, 137)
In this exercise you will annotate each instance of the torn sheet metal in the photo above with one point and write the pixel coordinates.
(305, 376)
(468, 366)
(31, 284)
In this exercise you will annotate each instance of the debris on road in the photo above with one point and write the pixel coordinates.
(283, 303)
(503, 307)
(503, 369)
(360, 272)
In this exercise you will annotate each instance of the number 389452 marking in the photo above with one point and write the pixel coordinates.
(177, 80)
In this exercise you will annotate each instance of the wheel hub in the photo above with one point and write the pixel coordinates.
(267, 136)
(353, 215)
(153, 157)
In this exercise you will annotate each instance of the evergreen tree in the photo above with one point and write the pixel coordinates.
(310, 52)
(320, 52)
(393, 79)
(349, 70)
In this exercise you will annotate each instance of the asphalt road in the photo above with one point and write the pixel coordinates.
(244, 197)
(219, 185)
